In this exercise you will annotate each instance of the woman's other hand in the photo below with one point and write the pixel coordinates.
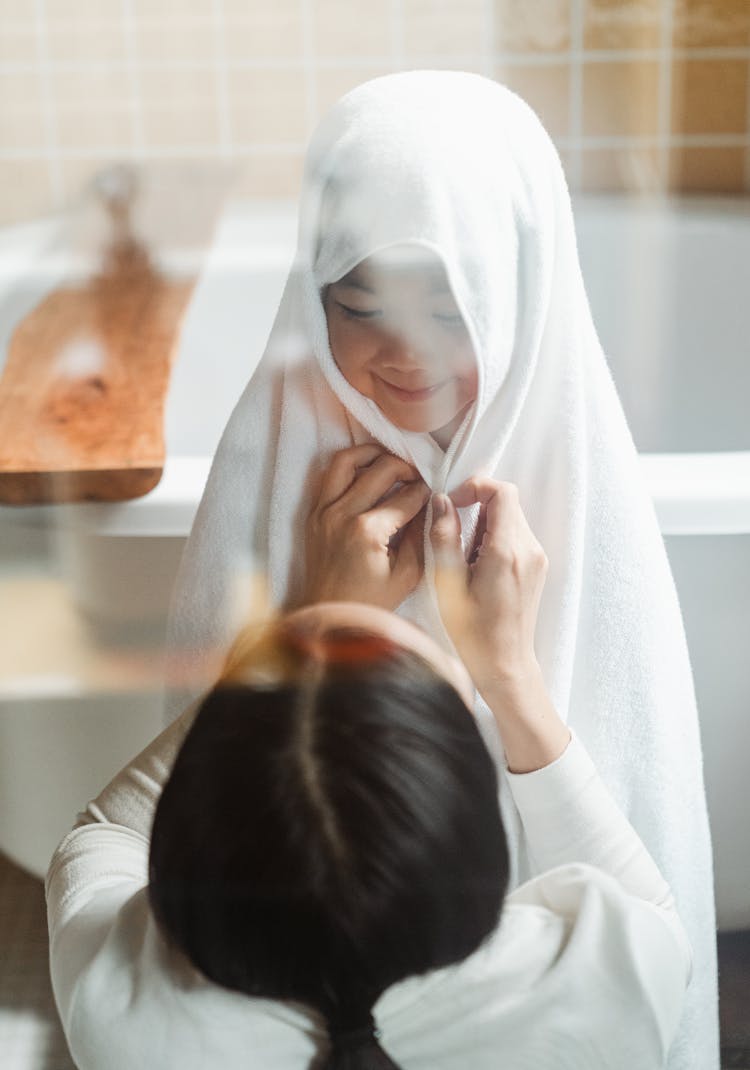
(364, 535)
(489, 605)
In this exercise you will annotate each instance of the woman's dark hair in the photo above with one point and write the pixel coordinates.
(330, 827)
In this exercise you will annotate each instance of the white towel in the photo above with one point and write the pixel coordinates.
(463, 166)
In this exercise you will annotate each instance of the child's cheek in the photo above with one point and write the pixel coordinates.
(348, 357)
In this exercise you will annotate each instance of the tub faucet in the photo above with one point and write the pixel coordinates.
(117, 187)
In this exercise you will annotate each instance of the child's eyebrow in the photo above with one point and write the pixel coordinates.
(352, 281)
(441, 286)
(355, 283)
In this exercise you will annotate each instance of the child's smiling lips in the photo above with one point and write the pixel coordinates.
(422, 394)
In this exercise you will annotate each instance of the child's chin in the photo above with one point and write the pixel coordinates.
(416, 425)
(415, 428)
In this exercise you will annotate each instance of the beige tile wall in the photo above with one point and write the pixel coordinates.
(641, 95)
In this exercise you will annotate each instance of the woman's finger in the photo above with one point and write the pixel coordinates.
(481, 489)
(374, 482)
(480, 532)
(445, 534)
(499, 506)
(400, 509)
(409, 555)
(450, 565)
(343, 468)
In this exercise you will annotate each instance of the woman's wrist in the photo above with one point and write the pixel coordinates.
(532, 732)
(508, 689)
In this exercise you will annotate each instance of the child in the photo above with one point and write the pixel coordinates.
(436, 308)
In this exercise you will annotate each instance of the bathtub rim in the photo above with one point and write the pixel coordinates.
(693, 494)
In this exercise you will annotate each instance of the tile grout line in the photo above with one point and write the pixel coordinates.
(575, 164)
(610, 141)
(134, 78)
(159, 22)
(308, 64)
(396, 20)
(222, 81)
(521, 59)
(85, 153)
(51, 147)
(664, 104)
(747, 131)
(488, 32)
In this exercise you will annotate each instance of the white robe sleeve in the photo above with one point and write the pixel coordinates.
(569, 815)
(595, 872)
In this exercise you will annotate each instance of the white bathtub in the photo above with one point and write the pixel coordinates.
(667, 284)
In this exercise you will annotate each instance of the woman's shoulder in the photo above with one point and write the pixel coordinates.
(573, 954)
(137, 1001)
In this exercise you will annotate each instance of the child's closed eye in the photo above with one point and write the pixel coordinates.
(453, 319)
(358, 313)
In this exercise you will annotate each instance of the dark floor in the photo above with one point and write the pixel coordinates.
(31, 1038)
(734, 999)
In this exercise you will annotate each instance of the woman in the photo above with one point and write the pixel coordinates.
(436, 312)
(325, 883)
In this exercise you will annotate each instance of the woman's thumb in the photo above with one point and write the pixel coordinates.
(450, 564)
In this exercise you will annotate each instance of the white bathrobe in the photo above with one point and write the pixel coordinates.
(463, 167)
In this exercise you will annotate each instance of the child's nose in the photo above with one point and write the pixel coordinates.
(402, 351)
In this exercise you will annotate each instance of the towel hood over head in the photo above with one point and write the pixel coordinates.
(420, 159)
(459, 166)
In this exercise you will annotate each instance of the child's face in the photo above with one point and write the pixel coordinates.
(397, 336)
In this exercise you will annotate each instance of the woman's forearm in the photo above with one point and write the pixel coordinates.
(532, 732)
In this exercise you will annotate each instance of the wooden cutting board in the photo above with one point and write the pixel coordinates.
(84, 385)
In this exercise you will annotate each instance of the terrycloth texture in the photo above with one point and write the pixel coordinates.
(462, 166)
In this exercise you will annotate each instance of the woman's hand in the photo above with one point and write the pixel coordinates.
(363, 537)
(489, 606)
